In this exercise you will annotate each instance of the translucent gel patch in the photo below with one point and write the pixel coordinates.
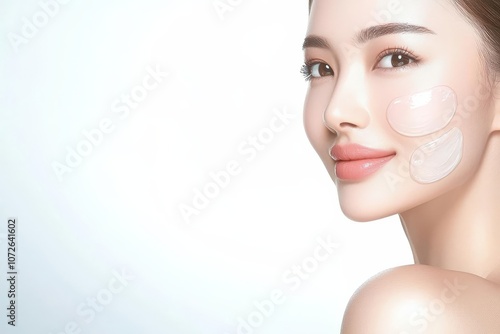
(422, 113)
(435, 160)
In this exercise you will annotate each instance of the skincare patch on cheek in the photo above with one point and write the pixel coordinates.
(435, 160)
(422, 113)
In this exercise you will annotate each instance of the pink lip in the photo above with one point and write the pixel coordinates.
(354, 162)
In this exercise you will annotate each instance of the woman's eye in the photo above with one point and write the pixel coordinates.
(316, 70)
(395, 59)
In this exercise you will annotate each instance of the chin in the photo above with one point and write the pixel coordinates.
(369, 201)
(364, 215)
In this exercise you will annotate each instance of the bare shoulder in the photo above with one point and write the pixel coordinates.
(419, 298)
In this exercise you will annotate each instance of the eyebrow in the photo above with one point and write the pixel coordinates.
(370, 33)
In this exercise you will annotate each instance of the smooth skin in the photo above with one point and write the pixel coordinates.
(453, 224)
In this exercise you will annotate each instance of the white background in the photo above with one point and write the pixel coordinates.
(118, 210)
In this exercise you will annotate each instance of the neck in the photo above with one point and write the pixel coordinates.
(461, 229)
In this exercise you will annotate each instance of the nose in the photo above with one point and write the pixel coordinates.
(347, 109)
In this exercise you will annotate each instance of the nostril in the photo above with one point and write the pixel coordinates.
(340, 122)
(347, 125)
(346, 113)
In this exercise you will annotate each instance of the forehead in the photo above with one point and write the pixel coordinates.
(341, 19)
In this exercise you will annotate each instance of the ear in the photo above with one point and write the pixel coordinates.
(495, 126)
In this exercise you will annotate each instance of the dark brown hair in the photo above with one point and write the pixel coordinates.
(484, 15)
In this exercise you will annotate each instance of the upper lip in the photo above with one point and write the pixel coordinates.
(357, 152)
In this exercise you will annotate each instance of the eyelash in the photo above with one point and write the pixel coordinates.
(402, 50)
(306, 68)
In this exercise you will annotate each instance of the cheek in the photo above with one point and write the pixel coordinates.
(436, 159)
(422, 114)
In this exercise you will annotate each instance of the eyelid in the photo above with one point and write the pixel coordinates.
(401, 50)
(312, 61)
(306, 68)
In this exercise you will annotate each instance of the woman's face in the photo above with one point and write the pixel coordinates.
(398, 90)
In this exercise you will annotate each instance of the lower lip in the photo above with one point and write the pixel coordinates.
(359, 169)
